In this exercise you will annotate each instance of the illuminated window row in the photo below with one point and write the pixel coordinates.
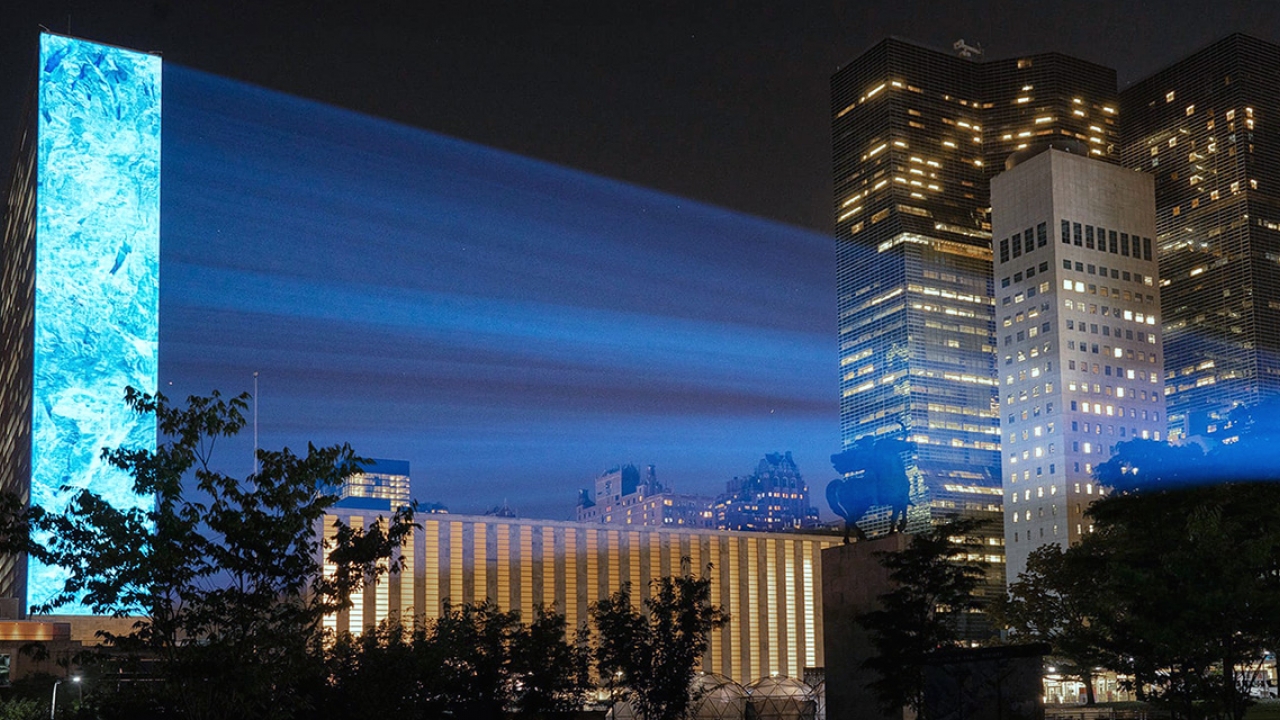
(1102, 272)
(1028, 394)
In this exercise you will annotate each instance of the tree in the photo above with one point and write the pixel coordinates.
(225, 573)
(474, 661)
(1053, 601)
(472, 649)
(551, 672)
(1178, 585)
(651, 656)
(1187, 589)
(377, 674)
(934, 588)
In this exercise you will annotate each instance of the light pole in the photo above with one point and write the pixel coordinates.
(53, 702)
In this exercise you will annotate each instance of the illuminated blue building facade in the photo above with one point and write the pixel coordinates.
(81, 270)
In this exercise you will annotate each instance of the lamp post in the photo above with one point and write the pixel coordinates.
(53, 702)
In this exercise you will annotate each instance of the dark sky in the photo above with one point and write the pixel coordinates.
(522, 391)
(717, 100)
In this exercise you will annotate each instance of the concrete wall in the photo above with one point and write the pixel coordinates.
(852, 580)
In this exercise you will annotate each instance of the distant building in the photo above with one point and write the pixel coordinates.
(1207, 129)
(382, 484)
(625, 497)
(502, 511)
(772, 498)
(1078, 322)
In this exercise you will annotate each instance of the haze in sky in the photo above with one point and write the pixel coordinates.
(510, 327)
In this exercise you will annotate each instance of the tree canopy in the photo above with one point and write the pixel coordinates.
(1178, 585)
(1051, 603)
(230, 580)
(651, 656)
(934, 584)
(474, 661)
(225, 574)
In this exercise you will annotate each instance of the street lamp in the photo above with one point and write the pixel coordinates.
(53, 703)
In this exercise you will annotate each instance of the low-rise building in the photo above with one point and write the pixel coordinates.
(769, 584)
(625, 496)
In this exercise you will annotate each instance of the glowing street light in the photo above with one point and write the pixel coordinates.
(53, 703)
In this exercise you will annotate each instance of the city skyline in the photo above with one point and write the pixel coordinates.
(918, 136)
(813, 469)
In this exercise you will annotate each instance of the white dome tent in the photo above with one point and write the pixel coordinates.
(716, 697)
(781, 698)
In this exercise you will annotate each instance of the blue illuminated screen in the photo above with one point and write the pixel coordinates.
(97, 273)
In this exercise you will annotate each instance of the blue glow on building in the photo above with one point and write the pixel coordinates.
(97, 273)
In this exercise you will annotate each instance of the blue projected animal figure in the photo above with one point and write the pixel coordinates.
(875, 477)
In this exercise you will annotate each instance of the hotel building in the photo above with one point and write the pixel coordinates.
(1079, 334)
(775, 498)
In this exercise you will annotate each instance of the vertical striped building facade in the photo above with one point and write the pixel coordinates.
(769, 583)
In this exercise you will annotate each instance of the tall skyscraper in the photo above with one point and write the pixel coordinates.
(80, 264)
(1208, 129)
(917, 136)
(1079, 334)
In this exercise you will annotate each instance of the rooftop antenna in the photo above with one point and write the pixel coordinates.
(966, 50)
(255, 422)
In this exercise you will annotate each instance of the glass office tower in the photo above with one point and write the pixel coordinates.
(1208, 129)
(917, 135)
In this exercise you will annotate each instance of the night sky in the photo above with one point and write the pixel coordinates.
(574, 322)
